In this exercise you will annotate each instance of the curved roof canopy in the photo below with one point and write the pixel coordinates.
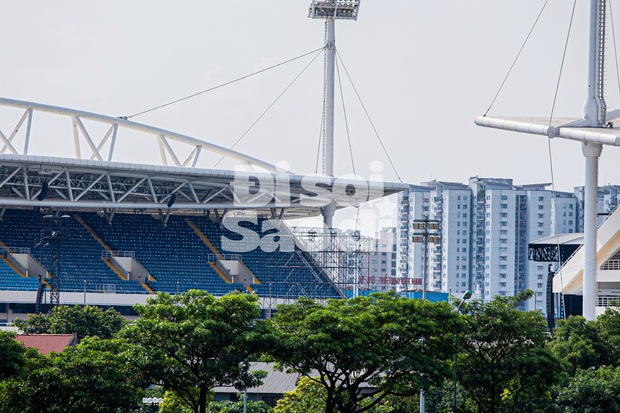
(96, 181)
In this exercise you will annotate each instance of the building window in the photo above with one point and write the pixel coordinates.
(504, 198)
(540, 198)
(504, 206)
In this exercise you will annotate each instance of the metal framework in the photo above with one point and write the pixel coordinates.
(340, 255)
(34, 181)
(53, 237)
(115, 129)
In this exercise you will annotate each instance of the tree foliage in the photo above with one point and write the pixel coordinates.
(366, 348)
(12, 355)
(96, 376)
(504, 363)
(252, 406)
(84, 321)
(309, 397)
(193, 342)
(590, 391)
(578, 343)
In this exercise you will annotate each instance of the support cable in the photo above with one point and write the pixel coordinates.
(346, 120)
(369, 118)
(270, 106)
(555, 96)
(221, 85)
(517, 57)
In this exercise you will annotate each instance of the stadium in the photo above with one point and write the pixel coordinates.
(94, 230)
(99, 232)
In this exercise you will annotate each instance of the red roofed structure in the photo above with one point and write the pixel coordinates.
(46, 343)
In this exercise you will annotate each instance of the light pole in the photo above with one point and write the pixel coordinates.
(466, 296)
(430, 233)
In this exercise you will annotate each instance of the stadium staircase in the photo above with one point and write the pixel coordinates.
(80, 257)
(172, 253)
(107, 258)
(218, 261)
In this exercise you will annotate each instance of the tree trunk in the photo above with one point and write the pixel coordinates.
(202, 401)
(330, 404)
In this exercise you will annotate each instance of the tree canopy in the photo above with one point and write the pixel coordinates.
(504, 363)
(363, 349)
(96, 376)
(193, 342)
(84, 321)
(12, 355)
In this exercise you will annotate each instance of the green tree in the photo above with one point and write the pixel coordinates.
(97, 376)
(12, 355)
(578, 342)
(84, 321)
(504, 363)
(608, 326)
(193, 342)
(252, 406)
(366, 348)
(309, 397)
(590, 391)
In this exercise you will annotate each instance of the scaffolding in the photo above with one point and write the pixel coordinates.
(335, 260)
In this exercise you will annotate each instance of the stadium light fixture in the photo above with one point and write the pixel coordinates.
(336, 9)
(429, 233)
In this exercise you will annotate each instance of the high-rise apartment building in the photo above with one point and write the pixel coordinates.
(486, 226)
(608, 200)
(383, 269)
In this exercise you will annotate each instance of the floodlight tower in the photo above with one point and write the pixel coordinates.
(331, 10)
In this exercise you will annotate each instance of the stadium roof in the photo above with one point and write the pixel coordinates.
(94, 180)
(39, 181)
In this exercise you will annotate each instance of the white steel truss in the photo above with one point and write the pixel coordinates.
(115, 127)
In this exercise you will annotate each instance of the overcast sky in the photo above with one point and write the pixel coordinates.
(424, 70)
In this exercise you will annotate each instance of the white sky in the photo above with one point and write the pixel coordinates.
(424, 70)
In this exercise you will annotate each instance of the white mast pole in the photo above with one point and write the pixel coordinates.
(594, 111)
(328, 162)
(329, 96)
